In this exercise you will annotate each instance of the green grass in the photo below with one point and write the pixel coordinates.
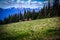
(41, 29)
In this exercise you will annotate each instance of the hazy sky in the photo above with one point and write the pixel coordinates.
(22, 3)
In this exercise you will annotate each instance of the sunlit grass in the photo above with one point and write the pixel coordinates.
(41, 29)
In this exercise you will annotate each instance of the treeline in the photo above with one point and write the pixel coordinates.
(45, 12)
(17, 17)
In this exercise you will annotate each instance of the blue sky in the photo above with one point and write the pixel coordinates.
(22, 3)
(7, 4)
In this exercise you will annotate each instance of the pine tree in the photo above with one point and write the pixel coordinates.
(25, 15)
(6, 20)
(1, 22)
(55, 7)
(39, 15)
(20, 17)
(33, 15)
(49, 9)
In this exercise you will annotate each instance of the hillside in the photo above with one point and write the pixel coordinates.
(41, 29)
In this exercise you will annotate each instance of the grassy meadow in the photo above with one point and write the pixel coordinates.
(40, 29)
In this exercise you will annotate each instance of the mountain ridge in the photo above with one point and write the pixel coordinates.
(10, 11)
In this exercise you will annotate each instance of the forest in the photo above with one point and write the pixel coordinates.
(45, 12)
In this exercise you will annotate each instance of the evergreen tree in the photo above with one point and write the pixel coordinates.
(10, 19)
(39, 15)
(25, 15)
(5, 20)
(20, 16)
(1, 22)
(34, 14)
(55, 7)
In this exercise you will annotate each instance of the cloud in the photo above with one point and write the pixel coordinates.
(29, 1)
(21, 3)
(6, 3)
(40, 2)
(13, 0)
(31, 5)
(18, 1)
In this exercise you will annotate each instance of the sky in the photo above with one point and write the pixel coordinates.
(22, 3)
(33, 4)
(7, 4)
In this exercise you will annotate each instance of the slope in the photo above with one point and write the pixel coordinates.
(40, 29)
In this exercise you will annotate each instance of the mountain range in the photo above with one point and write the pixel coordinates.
(10, 11)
